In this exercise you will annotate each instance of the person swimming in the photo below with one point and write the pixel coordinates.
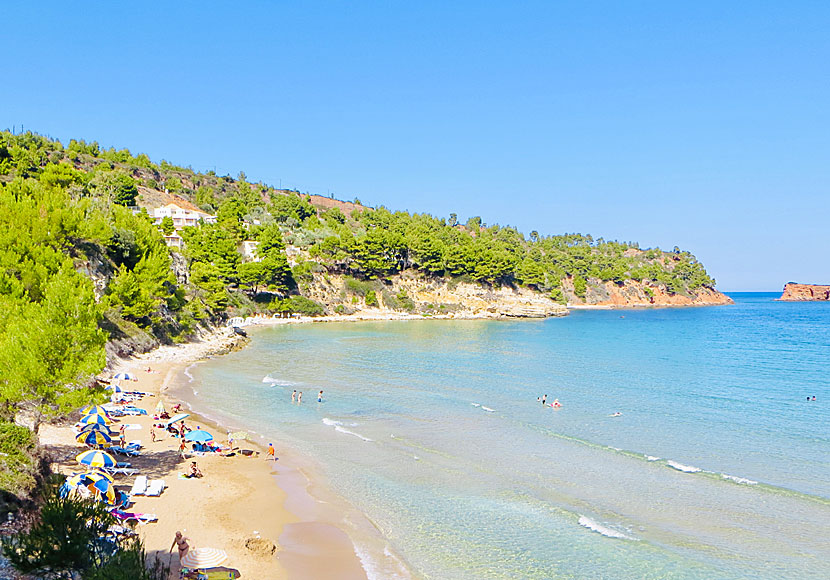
(616, 414)
(556, 404)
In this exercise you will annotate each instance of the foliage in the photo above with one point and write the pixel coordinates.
(371, 298)
(298, 305)
(167, 225)
(17, 461)
(67, 539)
(284, 207)
(64, 539)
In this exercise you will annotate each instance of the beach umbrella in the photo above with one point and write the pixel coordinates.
(97, 427)
(176, 419)
(198, 436)
(203, 558)
(115, 388)
(94, 410)
(87, 477)
(93, 437)
(104, 488)
(95, 418)
(125, 377)
(96, 459)
(160, 407)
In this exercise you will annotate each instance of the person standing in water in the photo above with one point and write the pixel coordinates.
(320, 397)
(300, 397)
(294, 396)
(544, 398)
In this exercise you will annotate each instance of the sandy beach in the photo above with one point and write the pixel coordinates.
(240, 503)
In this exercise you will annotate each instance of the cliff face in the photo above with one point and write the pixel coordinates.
(637, 294)
(805, 292)
(410, 292)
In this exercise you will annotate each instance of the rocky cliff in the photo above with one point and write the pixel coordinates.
(409, 292)
(805, 292)
(633, 293)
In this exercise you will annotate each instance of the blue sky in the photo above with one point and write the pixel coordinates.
(700, 124)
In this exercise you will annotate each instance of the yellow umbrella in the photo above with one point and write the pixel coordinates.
(96, 459)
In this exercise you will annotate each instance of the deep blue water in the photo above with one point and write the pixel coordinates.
(433, 429)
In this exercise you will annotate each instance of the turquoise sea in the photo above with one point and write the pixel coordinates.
(717, 467)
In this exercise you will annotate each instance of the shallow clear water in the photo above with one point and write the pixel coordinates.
(433, 429)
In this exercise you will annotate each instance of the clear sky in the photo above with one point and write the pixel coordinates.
(698, 124)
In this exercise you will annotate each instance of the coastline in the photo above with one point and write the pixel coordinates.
(241, 500)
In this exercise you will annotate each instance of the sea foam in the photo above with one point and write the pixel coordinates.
(587, 522)
(683, 468)
(339, 428)
(741, 480)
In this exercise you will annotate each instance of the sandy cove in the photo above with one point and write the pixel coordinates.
(237, 501)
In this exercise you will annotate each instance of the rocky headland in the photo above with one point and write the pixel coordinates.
(805, 292)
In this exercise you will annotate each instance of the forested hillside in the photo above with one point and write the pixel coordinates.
(83, 266)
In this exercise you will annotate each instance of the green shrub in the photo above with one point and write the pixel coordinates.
(371, 298)
(66, 540)
(299, 305)
(399, 301)
(359, 287)
(558, 296)
(580, 286)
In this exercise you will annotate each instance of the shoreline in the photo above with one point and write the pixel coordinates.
(241, 503)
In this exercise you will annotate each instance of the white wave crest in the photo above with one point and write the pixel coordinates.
(476, 404)
(187, 373)
(683, 468)
(488, 409)
(338, 427)
(741, 480)
(600, 529)
(652, 458)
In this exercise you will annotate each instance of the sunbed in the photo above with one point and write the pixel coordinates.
(155, 487)
(125, 451)
(134, 516)
(140, 485)
(128, 471)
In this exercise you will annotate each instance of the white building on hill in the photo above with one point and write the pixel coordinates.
(182, 217)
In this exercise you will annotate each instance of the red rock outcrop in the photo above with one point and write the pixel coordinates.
(805, 292)
(636, 294)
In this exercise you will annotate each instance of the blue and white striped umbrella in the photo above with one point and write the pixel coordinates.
(96, 459)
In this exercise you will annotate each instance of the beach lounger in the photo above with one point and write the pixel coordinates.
(134, 516)
(140, 485)
(155, 487)
(120, 471)
(125, 451)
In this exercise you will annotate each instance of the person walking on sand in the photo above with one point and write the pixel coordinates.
(182, 543)
(152, 434)
(271, 453)
(300, 397)
(182, 449)
(320, 397)
(294, 396)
